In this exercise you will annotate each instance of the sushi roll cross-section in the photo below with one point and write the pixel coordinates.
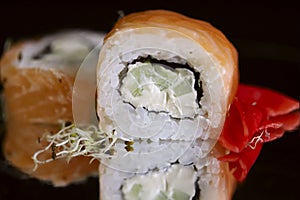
(165, 83)
(37, 77)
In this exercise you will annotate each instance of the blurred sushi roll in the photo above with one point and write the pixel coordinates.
(164, 85)
(37, 77)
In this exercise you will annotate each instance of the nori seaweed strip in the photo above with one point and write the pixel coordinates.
(197, 190)
(42, 53)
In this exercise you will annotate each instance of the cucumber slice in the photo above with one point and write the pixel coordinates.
(159, 88)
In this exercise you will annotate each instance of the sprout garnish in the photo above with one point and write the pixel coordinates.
(71, 141)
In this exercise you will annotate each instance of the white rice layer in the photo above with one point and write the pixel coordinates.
(114, 183)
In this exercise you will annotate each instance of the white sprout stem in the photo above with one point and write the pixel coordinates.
(77, 144)
(72, 141)
(110, 145)
(35, 156)
(99, 142)
(255, 140)
(61, 144)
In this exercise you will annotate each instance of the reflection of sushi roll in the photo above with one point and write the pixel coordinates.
(165, 82)
(212, 180)
(38, 77)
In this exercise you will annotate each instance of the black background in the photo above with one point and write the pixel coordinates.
(266, 34)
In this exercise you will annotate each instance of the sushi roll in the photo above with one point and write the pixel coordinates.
(164, 85)
(37, 77)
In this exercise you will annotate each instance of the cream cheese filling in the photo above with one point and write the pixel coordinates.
(177, 183)
(63, 50)
(159, 88)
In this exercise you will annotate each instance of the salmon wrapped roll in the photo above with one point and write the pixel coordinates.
(164, 85)
(37, 77)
